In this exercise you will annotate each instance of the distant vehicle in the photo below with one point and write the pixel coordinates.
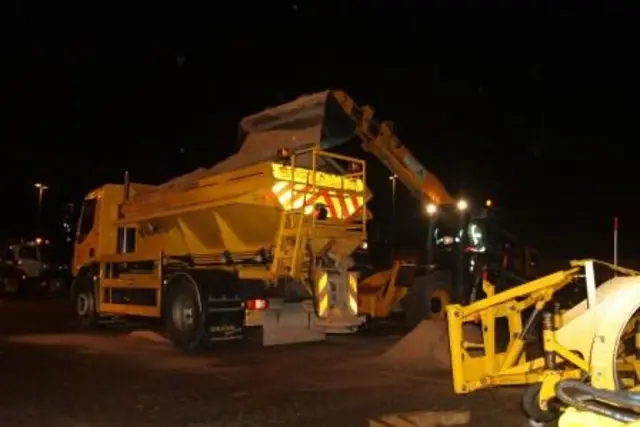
(33, 266)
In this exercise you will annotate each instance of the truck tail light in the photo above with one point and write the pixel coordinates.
(257, 304)
(284, 154)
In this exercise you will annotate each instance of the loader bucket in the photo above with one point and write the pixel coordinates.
(316, 119)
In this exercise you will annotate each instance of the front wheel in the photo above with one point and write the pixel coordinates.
(531, 406)
(427, 299)
(55, 287)
(10, 285)
(85, 303)
(184, 319)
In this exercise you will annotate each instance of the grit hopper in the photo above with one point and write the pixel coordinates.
(236, 206)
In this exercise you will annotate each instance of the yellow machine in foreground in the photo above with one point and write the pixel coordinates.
(593, 342)
(262, 239)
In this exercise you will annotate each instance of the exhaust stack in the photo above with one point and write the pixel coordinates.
(127, 187)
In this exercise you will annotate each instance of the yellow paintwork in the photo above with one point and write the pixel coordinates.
(379, 139)
(575, 418)
(303, 176)
(353, 293)
(236, 212)
(587, 339)
(233, 212)
(378, 293)
(322, 289)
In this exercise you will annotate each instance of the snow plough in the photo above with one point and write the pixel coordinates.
(582, 364)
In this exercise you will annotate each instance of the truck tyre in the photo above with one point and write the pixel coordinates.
(427, 298)
(184, 317)
(11, 285)
(55, 286)
(85, 303)
(531, 406)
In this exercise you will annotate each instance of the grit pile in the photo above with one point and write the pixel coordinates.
(426, 347)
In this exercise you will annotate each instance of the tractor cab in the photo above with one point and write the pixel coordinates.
(473, 244)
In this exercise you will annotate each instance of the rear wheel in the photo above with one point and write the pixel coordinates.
(184, 318)
(11, 285)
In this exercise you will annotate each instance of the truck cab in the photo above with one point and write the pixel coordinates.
(86, 236)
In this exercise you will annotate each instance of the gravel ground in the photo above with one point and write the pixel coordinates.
(54, 375)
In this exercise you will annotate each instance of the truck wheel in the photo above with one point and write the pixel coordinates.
(85, 303)
(55, 287)
(11, 285)
(428, 297)
(184, 319)
(531, 406)
(438, 299)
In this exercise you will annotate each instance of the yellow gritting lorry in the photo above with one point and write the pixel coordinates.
(261, 239)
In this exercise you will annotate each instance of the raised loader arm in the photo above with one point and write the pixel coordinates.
(330, 119)
(379, 139)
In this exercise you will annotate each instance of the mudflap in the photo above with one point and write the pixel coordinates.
(289, 323)
(224, 319)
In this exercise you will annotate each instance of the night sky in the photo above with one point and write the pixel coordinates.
(535, 107)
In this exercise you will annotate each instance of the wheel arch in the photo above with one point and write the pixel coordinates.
(199, 280)
(86, 274)
(174, 278)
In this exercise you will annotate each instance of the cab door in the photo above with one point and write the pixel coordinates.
(86, 244)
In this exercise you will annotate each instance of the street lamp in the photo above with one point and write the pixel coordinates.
(393, 178)
(431, 209)
(40, 187)
(462, 205)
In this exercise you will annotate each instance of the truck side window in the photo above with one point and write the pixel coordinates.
(126, 240)
(87, 219)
